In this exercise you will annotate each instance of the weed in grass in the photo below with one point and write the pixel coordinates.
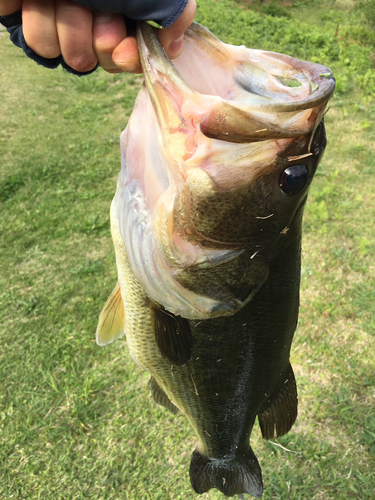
(368, 436)
(10, 186)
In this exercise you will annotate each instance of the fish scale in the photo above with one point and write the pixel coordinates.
(207, 235)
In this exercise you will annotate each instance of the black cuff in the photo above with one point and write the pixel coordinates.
(11, 19)
(13, 23)
(163, 12)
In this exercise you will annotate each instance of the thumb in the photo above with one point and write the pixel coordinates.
(172, 38)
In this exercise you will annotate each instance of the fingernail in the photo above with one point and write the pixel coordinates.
(175, 48)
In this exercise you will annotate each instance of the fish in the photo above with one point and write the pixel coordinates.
(217, 159)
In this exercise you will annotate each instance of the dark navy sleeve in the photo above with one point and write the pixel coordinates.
(163, 12)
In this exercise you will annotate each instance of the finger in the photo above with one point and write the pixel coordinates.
(108, 32)
(74, 29)
(39, 27)
(172, 38)
(9, 7)
(126, 56)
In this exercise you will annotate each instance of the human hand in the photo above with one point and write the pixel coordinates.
(84, 38)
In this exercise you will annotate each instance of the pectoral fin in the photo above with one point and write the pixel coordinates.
(280, 414)
(111, 324)
(173, 335)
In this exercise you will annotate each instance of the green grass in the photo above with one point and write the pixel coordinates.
(76, 420)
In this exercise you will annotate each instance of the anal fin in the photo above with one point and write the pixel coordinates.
(111, 324)
(173, 335)
(160, 397)
(280, 414)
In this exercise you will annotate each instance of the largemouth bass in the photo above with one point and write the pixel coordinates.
(217, 159)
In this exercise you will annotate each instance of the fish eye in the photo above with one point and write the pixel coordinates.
(293, 179)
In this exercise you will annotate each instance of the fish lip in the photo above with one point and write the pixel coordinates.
(150, 48)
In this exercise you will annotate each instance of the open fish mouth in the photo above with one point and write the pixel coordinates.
(204, 129)
(250, 95)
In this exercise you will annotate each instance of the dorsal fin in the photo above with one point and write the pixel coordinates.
(111, 324)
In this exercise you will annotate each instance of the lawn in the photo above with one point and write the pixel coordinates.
(76, 420)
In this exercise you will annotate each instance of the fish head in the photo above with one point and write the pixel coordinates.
(218, 156)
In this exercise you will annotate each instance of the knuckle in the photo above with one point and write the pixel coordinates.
(44, 48)
(9, 7)
(47, 52)
(81, 63)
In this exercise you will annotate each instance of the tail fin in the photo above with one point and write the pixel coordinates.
(228, 477)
